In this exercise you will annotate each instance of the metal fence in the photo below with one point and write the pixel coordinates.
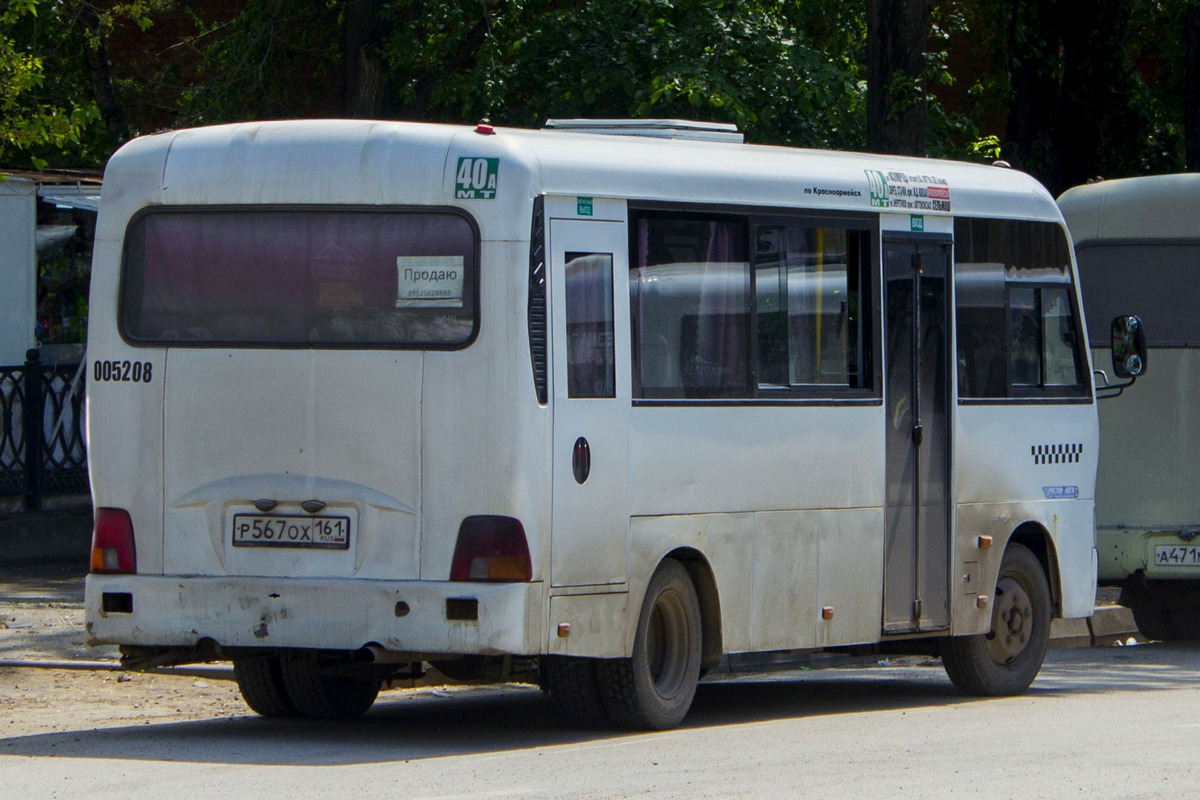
(42, 447)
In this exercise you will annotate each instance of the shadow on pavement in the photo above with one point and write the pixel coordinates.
(499, 719)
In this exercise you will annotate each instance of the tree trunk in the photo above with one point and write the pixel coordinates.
(1191, 99)
(462, 58)
(897, 38)
(1032, 47)
(1094, 67)
(100, 77)
(362, 89)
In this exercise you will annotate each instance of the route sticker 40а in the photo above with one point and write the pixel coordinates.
(475, 178)
(123, 371)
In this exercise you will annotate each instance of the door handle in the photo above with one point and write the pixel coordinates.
(581, 460)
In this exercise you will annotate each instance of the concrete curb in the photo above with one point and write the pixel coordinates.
(1114, 625)
(1107, 626)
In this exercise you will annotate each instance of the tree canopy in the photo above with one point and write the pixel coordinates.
(1065, 89)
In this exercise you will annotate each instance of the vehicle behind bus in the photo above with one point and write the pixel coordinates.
(1138, 244)
(600, 412)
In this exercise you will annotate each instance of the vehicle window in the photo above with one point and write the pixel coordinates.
(690, 305)
(300, 277)
(1143, 278)
(1025, 338)
(807, 293)
(1014, 276)
(591, 351)
(1060, 342)
(743, 307)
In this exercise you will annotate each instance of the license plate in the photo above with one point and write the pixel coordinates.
(1177, 555)
(291, 530)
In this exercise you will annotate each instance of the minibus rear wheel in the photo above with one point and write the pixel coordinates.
(260, 680)
(653, 689)
(320, 690)
(571, 683)
(1006, 659)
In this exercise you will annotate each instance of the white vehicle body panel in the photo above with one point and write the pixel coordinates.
(1147, 494)
(780, 505)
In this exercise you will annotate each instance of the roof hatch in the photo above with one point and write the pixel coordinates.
(654, 128)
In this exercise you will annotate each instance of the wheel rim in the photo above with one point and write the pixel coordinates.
(1012, 621)
(667, 644)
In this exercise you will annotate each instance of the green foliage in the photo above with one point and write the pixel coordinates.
(785, 72)
(275, 59)
(26, 125)
(1002, 77)
(49, 113)
(1072, 88)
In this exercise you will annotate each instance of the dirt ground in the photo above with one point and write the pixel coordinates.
(41, 622)
(78, 687)
(51, 680)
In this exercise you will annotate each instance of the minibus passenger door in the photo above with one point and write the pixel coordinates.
(591, 395)
(916, 566)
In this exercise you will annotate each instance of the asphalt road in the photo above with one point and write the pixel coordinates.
(1100, 722)
(1103, 722)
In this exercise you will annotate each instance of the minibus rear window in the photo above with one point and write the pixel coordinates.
(300, 277)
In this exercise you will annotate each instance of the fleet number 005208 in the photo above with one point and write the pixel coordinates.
(123, 371)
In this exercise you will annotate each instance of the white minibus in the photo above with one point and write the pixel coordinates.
(604, 406)
(1138, 245)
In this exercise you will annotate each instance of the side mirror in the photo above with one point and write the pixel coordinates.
(1128, 347)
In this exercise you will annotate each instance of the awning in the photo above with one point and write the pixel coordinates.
(52, 238)
(83, 197)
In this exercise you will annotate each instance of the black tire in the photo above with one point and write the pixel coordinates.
(1156, 622)
(571, 684)
(260, 680)
(1006, 659)
(1165, 610)
(1167, 623)
(319, 693)
(653, 689)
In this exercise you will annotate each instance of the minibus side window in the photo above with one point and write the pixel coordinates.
(807, 306)
(1014, 276)
(743, 307)
(690, 305)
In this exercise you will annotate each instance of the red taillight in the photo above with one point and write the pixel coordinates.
(112, 542)
(491, 549)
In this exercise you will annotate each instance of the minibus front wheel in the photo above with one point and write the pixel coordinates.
(1006, 659)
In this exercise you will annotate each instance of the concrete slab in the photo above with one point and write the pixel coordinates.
(1112, 624)
(35, 537)
(1066, 633)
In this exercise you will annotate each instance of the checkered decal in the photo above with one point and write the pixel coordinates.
(1056, 453)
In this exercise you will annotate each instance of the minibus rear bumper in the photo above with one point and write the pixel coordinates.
(416, 617)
